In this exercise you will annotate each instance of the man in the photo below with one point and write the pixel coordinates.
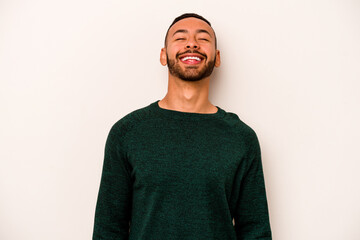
(182, 168)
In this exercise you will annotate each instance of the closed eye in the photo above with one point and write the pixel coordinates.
(180, 39)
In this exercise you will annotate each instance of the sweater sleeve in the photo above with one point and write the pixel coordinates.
(113, 207)
(251, 215)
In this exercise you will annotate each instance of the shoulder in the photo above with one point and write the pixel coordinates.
(238, 125)
(240, 128)
(243, 132)
(131, 119)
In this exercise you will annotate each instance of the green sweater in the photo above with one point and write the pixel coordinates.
(172, 175)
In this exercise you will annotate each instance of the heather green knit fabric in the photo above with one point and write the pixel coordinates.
(172, 175)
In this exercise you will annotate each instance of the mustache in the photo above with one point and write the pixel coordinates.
(189, 51)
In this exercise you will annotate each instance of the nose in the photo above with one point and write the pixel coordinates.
(192, 43)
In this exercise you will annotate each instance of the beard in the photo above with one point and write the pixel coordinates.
(191, 73)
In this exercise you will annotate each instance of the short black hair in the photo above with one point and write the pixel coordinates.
(188, 15)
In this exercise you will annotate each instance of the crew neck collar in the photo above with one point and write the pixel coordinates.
(186, 115)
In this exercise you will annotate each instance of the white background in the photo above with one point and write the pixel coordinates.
(70, 69)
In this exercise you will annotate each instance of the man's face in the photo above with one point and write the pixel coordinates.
(190, 53)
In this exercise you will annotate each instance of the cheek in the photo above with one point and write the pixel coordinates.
(210, 52)
(173, 51)
(208, 48)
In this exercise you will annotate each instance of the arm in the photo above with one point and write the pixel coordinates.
(113, 208)
(252, 217)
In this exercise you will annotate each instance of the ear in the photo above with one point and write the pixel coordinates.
(163, 59)
(217, 61)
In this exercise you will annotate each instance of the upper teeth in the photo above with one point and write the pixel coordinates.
(196, 58)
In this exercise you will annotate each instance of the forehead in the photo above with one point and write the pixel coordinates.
(190, 24)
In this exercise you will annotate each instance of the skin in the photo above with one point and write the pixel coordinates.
(189, 95)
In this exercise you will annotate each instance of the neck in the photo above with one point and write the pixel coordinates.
(188, 96)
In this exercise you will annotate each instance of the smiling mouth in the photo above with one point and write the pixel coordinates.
(191, 59)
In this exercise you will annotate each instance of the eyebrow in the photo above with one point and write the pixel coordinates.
(197, 31)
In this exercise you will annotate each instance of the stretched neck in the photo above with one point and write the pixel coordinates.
(188, 96)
